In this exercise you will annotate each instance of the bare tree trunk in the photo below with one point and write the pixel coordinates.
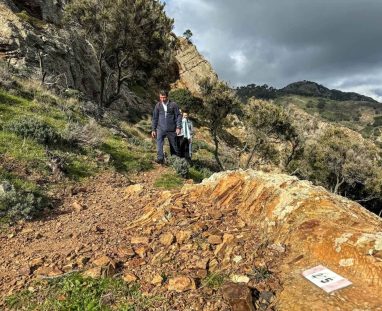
(252, 154)
(292, 154)
(339, 183)
(216, 151)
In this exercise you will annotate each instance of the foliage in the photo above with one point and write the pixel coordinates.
(188, 34)
(214, 280)
(35, 22)
(16, 204)
(180, 165)
(30, 127)
(269, 125)
(198, 174)
(261, 274)
(344, 165)
(168, 181)
(219, 101)
(186, 101)
(90, 134)
(312, 89)
(256, 91)
(75, 292)
(131, 39)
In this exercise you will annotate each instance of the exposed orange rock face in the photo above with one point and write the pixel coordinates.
(193, 67)
(316, 226)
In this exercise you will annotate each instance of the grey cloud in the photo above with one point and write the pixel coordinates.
(279, 42)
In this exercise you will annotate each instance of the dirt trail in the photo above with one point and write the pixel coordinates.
(92, 219)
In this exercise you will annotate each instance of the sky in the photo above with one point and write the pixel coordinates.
(337, 43)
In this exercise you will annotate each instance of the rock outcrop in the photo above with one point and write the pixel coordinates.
(302, 224)
(192, 67)
(37, 47)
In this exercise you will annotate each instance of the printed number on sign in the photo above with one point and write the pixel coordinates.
(322, 277)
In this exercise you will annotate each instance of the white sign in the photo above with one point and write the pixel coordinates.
(326, 279)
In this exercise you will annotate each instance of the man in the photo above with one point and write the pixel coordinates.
(186, 137)
(167, 122)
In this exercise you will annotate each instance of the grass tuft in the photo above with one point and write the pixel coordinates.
(76, 292)
(169, 181)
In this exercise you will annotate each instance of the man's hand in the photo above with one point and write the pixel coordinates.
(177, 131)
(154, 134)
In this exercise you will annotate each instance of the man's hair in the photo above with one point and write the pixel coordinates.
(163, 93)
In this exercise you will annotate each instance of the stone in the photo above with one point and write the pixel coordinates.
(141, 251)
(213, 265)
(69, 267)
(202, 263)
(37, 262)
(95, 272)
(157, 280)
(133, 190)
(125, 252)
(129, 277)
(237, 259)
(183, 236)
(181, 284)
(103, 261)
(77, 207)
(238, 296)
(140, 240)
(166, 239)
(214, 239)
(47, 271)
(237, 278)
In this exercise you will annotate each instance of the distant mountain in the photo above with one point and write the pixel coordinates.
(308, 88)
(303, 88)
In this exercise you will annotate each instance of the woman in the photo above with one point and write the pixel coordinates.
(185, 137)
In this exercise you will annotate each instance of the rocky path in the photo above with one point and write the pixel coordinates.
(179, 248)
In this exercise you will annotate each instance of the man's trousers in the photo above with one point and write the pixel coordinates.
(171, 136)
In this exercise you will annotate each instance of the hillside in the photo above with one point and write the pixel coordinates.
(357, 112)
(308, 88)
(89, 220)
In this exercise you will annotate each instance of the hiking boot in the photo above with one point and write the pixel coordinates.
(159, 161)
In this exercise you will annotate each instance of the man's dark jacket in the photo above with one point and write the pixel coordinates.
(168, 123)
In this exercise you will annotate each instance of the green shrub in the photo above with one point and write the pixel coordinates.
(180, 165)
(17, 204)
(30, 127)
(198, 174)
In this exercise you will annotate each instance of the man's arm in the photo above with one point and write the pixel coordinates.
(154, 124)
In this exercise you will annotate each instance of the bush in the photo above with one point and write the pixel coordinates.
(30, 127)
(90, 134)
(180, 165)
(17, 205)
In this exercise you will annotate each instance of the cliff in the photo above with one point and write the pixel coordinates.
(192, 66)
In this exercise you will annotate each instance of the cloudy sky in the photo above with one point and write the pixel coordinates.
(337, 43)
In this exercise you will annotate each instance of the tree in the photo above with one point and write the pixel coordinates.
(186, 100)
(219, 101)
(270, 125)
(131, 40)
(344, 164)
(188, 34)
